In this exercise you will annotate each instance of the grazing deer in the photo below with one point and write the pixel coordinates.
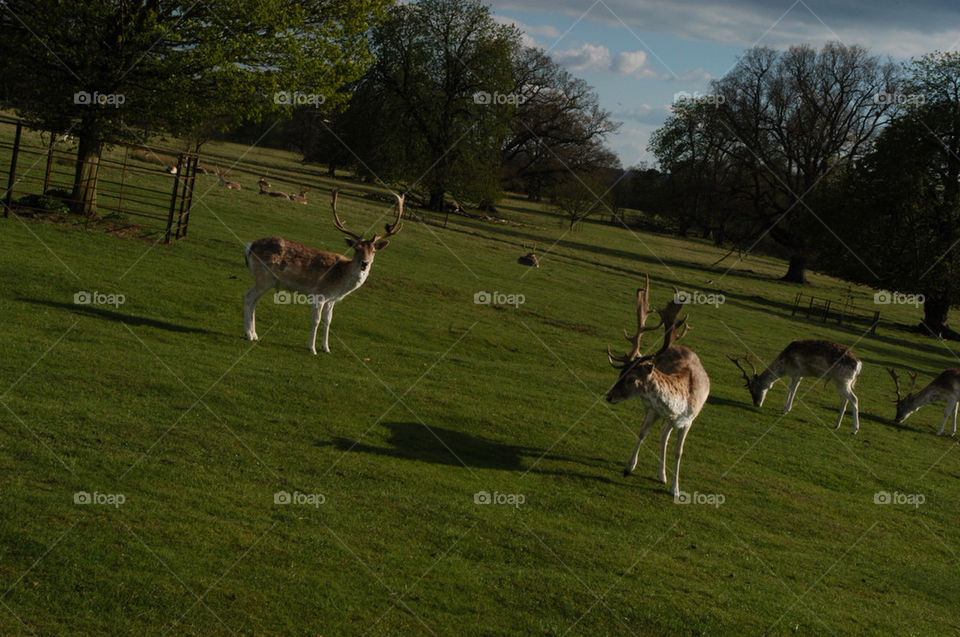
(325, 276)
(672, 383)
(823, 359)
(530, 258)
(945, 387)
(232, 185)
(302, 197)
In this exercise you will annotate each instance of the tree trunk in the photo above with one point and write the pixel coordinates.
(934, 321)
(436, 199)
(85, 176)
(797, 271)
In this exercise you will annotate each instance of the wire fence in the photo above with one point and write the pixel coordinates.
(147, 191)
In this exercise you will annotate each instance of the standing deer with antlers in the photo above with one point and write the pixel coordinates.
(325, 276)
(823, 359)
(945, 387)
(672, 383)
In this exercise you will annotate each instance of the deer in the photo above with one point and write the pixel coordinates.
(530, 258)
(327, 277)
(671, 383)
(945, 387)
(302, 197)
(823, 359)
(172, 169)
(272, 193)
(231, 185)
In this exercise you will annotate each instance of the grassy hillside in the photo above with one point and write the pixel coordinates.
(426, 400)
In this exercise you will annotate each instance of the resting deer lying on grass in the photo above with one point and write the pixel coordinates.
(672, 383)
(822, 359)
(231, 185)
(327, 277)
(945, 387)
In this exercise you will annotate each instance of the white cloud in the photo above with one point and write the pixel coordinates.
(529, 31)
(597, 57)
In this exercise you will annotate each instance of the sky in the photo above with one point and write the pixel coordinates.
(638, 54)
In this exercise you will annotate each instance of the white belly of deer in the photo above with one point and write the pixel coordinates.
(348, 286)
(668, 406)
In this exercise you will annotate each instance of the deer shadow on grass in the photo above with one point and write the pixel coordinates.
(113, 315)
(439, 445)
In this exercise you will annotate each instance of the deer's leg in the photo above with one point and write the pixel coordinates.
(847, 392)
(327, 318)
(955, 405)
(678, 451)
(664, 439)
(318, 306)
(648, 419)
(843, 410)
(250, 305)
(946, 416)
(791, 392)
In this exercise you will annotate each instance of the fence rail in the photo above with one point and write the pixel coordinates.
(149, 188)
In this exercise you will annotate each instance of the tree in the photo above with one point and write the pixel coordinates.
(438, 98)
(103, 67)
(789, 118)
(904, 197)
(559, 126)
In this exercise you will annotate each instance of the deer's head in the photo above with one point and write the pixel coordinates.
(365, 249)
(636, 371)
(758, 391)
(905, 404)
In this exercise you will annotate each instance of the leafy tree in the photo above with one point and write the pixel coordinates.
(899, 209)
(174, 66)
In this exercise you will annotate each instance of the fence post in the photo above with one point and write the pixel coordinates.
(46, 173)
(173, 205)
(13, 171)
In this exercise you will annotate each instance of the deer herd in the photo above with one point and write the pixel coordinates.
(671, 382)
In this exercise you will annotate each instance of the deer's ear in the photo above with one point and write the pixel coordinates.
(350, 242)
(381, 245)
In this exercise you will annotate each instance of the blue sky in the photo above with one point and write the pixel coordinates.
(638, 54)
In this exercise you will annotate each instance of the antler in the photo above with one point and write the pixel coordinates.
(397, 225)
(736, 361)
(896, 382)
(643, 311)
(668, 318)
(336, 219)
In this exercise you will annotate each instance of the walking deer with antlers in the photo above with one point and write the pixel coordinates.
(822, 359)
(326, 277)
(945, 387)
(672, 383)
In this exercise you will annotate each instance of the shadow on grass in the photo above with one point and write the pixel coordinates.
(439, 445)
(112, 315)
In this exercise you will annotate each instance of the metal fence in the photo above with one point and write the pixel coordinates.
(146, 190)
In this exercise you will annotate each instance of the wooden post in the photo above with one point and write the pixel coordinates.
(13, 171)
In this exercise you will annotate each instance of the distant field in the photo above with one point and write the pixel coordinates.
(426, 400)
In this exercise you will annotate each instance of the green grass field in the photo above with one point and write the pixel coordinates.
(426, 400)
